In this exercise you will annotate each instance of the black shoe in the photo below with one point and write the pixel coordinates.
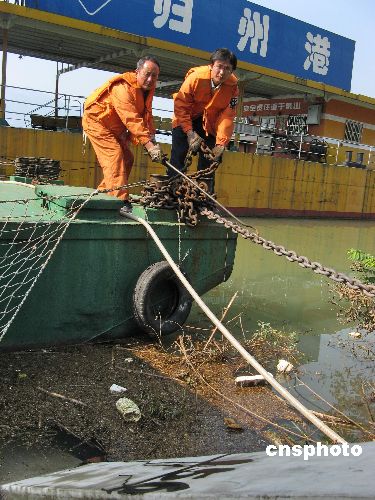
(126, 209)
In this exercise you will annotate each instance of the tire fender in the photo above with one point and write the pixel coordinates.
(161, 303)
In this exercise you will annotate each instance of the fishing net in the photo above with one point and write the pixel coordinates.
(30, 231)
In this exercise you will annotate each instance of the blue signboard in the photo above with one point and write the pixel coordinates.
(257, 35)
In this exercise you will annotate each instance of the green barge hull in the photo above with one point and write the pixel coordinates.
(85, 292)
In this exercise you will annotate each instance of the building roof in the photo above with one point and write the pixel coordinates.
(54, 37)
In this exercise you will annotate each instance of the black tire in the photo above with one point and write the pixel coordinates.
(161, 303)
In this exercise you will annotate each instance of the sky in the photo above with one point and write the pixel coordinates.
(354, 20)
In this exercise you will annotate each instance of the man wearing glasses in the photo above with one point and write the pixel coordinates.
(120, 112)
(204, 109)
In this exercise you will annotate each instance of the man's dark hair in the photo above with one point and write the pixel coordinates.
(224, 55)
(141, 62)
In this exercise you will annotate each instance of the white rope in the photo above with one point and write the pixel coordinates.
(247, 356)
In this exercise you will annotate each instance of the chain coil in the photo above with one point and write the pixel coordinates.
(179, 194)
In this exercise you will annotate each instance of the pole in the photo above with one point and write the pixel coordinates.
(57, 90)
(239, 113)
(4, 73)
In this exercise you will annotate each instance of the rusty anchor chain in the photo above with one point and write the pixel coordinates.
(187, 197)
(292, 256)
(183, 194)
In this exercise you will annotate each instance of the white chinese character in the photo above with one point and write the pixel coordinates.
(253, 107)
(259, 107)
(274, 107)
(184, 12)
(281, 105)
(254, 29)
(318, 49)
(297, 105)
(266, 107)
(246, 108)
(95, 11)
(288, 105)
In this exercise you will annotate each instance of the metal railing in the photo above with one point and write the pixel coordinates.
(254, 138)
(30, 108)
(27, 108)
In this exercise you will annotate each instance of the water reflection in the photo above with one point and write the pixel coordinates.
(343, 375)
(279, 292)
(273, 290)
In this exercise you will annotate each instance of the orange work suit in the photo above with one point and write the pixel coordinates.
(196, 98)
(115, 114)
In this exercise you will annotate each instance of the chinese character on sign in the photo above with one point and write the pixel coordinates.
(91, 12)
(254, 29)
(318, 49)
(182, 13)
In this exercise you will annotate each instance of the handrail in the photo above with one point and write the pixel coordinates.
(326, 150)
(38, 90)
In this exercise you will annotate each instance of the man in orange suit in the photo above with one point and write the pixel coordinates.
(204, 109)
(120, 112)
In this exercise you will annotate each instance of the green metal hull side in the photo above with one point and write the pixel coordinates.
(85, 292)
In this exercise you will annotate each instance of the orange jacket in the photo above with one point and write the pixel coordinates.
(120, 106)
(195, 98)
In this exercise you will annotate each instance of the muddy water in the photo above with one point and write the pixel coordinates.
(273, 290)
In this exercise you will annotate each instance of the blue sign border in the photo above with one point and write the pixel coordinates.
(256, 34)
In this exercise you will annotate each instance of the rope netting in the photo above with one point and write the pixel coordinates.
(29, 235)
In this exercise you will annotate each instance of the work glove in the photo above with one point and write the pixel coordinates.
(194, 141)
(217, 153)
(155, 153)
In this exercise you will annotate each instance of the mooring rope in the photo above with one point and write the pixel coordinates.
(235, 343)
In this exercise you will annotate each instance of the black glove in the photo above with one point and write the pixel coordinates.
(217, 153)
(155, 153)
(194, 141)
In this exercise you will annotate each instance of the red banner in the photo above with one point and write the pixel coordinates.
(274, 107)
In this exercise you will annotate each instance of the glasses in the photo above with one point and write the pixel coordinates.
(225, 68)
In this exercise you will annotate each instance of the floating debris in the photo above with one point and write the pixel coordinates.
(117, 388)
(283, 366)
(128, 409)
(250, 380)
(355, 335)
(232, 425)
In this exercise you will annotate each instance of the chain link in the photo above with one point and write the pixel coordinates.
(292, 256)
(180, 194)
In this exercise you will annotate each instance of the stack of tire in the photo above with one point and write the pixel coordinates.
(43, 170)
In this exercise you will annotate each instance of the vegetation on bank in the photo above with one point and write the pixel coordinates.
(355, 306)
